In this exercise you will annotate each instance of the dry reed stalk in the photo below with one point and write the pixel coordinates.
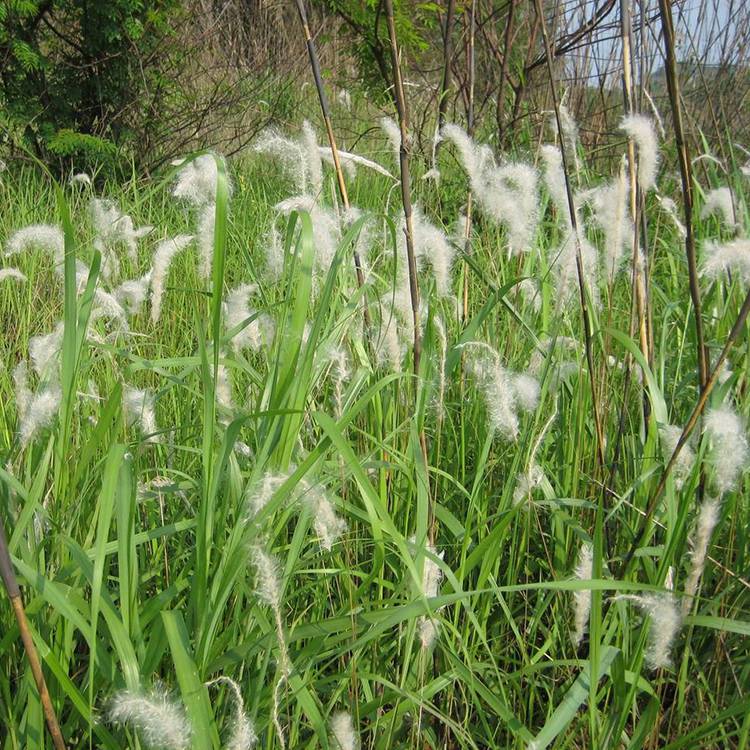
(711, 381)
(471, 69)
(500, 104)
(404, 150)
(588, 336)
(639, 286)
(409, 232)
(445, 83)
(14, 594)
(673, 85)
(318, 77)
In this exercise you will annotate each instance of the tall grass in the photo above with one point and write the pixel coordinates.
(162, 559)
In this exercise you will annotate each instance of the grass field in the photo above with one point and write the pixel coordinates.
(258, 487)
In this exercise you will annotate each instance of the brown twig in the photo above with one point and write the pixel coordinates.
(14, 593)
(673, 85)
(315, 65)
(688, 429)
(588, 337)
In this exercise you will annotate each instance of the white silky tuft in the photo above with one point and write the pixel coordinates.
(704, 527)
(242, 735)
(163, 256)
(343, 736)
(729, 447)
(641, 130)
(665, 624)
(670, 435)
(39, 412)
(724, 258)
(328, 525)
(12, 273)
(140, 411)
(582, 598)
(38, 236)
(161, 722)
(720, 201)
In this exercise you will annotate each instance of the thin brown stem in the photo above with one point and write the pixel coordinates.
(14, 593)
(688, 429)
(318, 77)
(673, 85)
(588, 336)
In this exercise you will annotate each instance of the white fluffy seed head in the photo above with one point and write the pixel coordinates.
(205, 239)
(163, 256)
(259, 495)
(582, 598)
(290, 153)
(641, 130)
(132, 293)
(526, 483)
(670, 207)
(313, 161)
(259, 331)
(554, 180)
(328, 525)
(196, 181)
(393, 134)
(729, 447)
(161, 722)
(665, 624)
(43, 237)
(670, 435)
(724, 258)
(11, 273)
(268, 585)
(343, 736)
(242, 732)
(704, 527)
(44, 352)
(431, 245)
(39, 412)
(140, 411)
(720, 201)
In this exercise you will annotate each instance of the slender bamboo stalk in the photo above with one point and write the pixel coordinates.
(588, 337)
(405, 181)
(673, 85)
(445, 84)
(14, 593)
(318, 77)
(711, 381)
(470, 64)
(627, 86)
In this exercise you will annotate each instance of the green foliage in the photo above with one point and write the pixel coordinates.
(74, 72)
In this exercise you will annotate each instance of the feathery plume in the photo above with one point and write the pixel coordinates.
(350, 162)
(670, 436)
(132, 293)
(327, 524)
(38, 236)
(139, 409)
(729, 448)
(724, 258)
(312, 152)
(80, 178)
(258, 331)
(21, 388)
(430, 245)
(204, 234)
(342, 732)
(707, 520)
(502, 390)
(569, 133)
(582, 598)
(112, 228)
(290, 153)
(260, 493)
(11, 273)
(610, 206)
(163, 257)
(641, 130)
(196, 181)
(565, 267)
(720, 201)
(526, 483)
(39, 412)
(326, 229)
(269, 591)
(44, 351)
(242, 736)
(554, 180)
(665, 624)
(393, 134)
(670, 208)
(161, 722)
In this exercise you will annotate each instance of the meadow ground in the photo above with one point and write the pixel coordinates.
(235, 512)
